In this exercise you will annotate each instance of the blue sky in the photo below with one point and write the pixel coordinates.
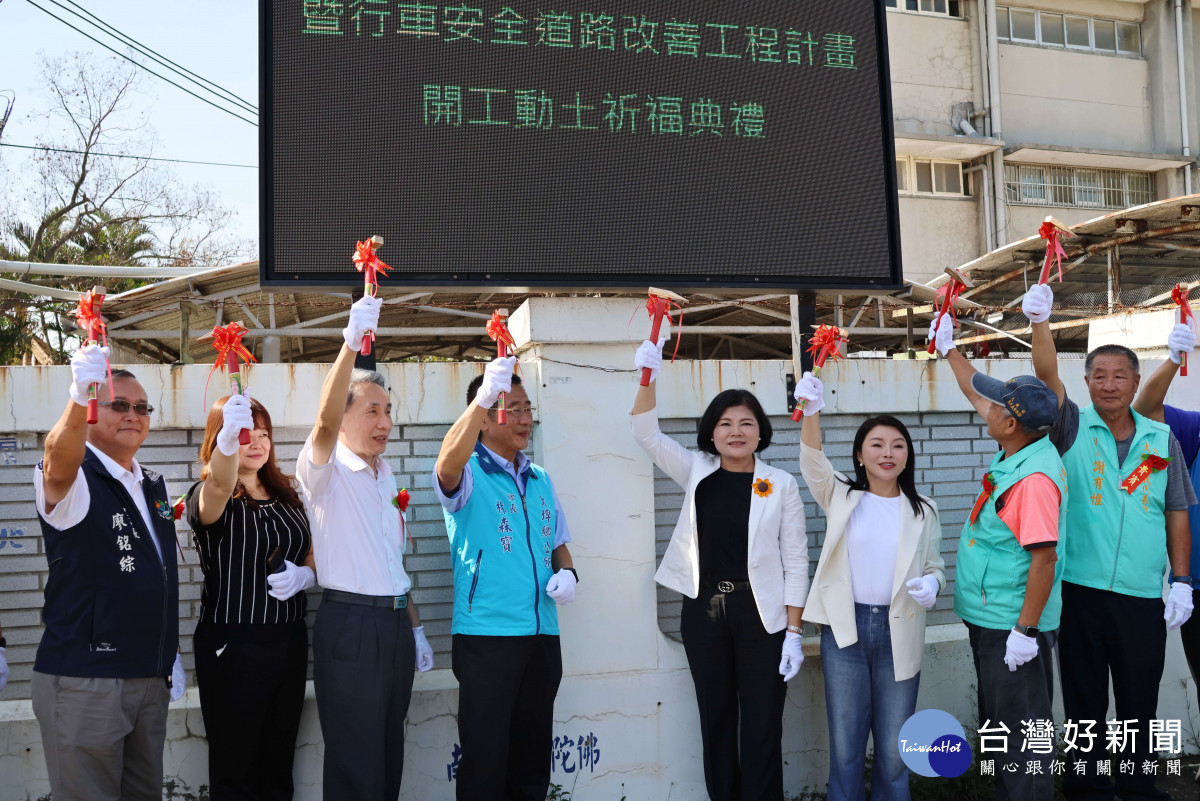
(218, 39)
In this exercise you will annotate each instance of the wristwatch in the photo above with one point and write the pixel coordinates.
(1028, 631)
(1183, 580)
(576, 575)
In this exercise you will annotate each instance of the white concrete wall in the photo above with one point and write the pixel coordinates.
(936, 233)
(625, 681)
(934, 65)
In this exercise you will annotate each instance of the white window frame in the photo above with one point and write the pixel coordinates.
(1023, 187)
(910, 178)
(1037, 41)
(901, 7)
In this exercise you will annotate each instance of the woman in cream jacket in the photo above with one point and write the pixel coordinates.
(880, 569)
(740, 557)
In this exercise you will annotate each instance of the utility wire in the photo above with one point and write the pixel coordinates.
(154, 55)
(125, 156)
(139, 64)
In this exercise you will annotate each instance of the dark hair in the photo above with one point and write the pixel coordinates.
(477, 382)
(907, 478)
(360, 376)
(727, 400)
(1111, 350)
(121, 372)
(274, 480)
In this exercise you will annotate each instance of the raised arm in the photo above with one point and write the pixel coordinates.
(1153, 392)
(671, 457)
(811, 392)
(943, 339)
(461, 438)
(648, 357)
(225, 458)
(1036, 307)
(66, 443)
(364, 316)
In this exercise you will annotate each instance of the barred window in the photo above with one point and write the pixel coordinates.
(1076, 187)
(1029, 26)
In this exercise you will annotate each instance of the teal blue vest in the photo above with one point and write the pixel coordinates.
(1118, 540)
(501, 543)
(992, 567)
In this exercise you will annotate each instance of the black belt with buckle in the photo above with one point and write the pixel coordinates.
(727, 586)
(377, 601)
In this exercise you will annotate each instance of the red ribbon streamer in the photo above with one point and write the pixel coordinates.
(87, 317)
(989, 486)
(1054, 250)
(948, 294)
(497, 329)
(227, 340)
(367, 261)
(651, 310)
(1151, 463)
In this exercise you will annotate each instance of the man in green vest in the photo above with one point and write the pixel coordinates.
(1009, 572)
(1128, 520)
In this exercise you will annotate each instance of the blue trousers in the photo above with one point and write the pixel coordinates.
(863, 697)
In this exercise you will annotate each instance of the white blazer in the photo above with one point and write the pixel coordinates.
(831, 601)
(777, 556)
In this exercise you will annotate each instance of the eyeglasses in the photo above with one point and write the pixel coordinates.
(519, 411)
(123, 406)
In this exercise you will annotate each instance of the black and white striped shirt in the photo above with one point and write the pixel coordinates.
(233, 555)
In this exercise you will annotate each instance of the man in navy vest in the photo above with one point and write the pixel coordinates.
(508, 540)
(107, 662)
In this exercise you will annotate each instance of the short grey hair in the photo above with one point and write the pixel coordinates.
(1112, 350)
(360, 376)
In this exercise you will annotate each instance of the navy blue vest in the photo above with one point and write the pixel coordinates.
(112, 607)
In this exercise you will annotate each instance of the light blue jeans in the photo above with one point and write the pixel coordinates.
(863, 697)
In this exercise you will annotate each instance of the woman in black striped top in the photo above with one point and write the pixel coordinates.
(251, 643)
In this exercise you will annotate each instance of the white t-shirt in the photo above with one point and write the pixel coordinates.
(872, 541)
(73, 508)
(357, 545)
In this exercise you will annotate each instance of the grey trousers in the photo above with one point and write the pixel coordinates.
(103, 738)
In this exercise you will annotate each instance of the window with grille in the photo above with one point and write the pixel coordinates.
(941, 8)
(1076, 187)
(1050, 29)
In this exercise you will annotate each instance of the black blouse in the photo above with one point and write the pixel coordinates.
(233, 555)
(723, 524)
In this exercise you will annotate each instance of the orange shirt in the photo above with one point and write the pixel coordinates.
(1030, 510)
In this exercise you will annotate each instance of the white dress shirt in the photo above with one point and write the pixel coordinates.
(356, 536)
(73, 508)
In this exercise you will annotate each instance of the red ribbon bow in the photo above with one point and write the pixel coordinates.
(498, 331)
(227, 340)
(1151, 463)
(401, 502)
(1054, 250)
(87, 317)
(989, 486)
(824, 344)
(367, 261)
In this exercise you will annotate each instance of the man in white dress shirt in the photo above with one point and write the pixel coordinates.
(368, 638)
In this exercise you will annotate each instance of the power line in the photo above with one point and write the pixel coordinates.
(154, 55)
(139, 64)
(125, 156)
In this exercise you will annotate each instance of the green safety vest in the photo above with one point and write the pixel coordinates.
(992, 567)
(1118, 540)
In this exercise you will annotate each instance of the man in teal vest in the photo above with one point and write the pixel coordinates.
(508, 543)
(1128, 520)
(1009, 569)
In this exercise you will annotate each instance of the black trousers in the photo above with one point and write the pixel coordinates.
(735, 667)
(1105, 632)
(1009, 697)
(251, 696)
(363, 664)
(506, 691)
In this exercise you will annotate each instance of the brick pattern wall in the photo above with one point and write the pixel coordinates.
(948, 469)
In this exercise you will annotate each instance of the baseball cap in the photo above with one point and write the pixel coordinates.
(1026, 398)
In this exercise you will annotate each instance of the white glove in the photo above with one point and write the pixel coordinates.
(810, 390)
(497, 378)
(88, 366)
(178, 679)
(364, 317)
(424, 651)
(1037, 303)
(290, 580)
(942, 336)
(1179, 605)
(236, 414)
(1019, 650)
(3, 669)
(649, 356)
(793, 656)
(561, 587)
(1181, 340)
(924, 590)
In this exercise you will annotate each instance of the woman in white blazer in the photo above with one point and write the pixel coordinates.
(739, 555)
(880, 569)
